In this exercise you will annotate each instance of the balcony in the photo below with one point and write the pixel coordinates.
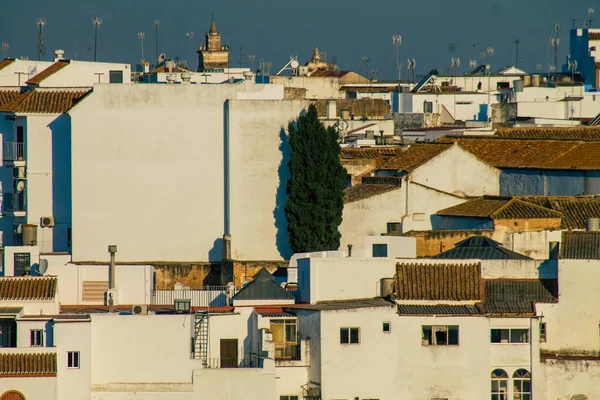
(249, 361)
(13, 151)
(15, 202)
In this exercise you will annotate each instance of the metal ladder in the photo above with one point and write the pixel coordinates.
(201, 337)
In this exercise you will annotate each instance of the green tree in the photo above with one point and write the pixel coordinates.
(316, 186)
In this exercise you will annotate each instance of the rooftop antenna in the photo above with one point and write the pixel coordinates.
(516, 42)
(241, 53)
(156, 25)
(251, 58)
(590, 15)
(141, 36)
(4, 49)
(555, 43)
(366, 61)
(41, 22)
(397, 41)
(96, 22)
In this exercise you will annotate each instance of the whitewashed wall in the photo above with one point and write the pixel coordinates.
(28, 68)
(86, 73)
(74, 383)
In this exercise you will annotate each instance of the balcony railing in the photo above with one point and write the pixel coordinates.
(287, 351)
(210, 296)
(14, 201)
(249, 361)
(13, 151)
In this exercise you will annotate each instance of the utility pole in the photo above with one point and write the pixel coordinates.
(251, 58)
(517, 56)
(241, 51)
(141, 36)
(40, 23)
(156, 24)
(556, 42)
(96, 22)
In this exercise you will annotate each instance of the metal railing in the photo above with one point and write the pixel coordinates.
(12, 151)
(210, 296)
(14, 201)
(287, 351)
(249, 361)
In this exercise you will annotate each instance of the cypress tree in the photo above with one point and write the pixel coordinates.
(316, 187)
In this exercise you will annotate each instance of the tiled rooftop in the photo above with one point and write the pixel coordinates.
(370, 152)
(437, 309)
(44, 101)
(576, 133)
(499, 208)
(580, 246)
(28, 287)
(6, 62)
(480, 247)
(594, 36)
(521, 291)
(438, 281)
(413, 157)
(27, 365)
(8, 95)
(574, 210)
(531, 153)
(57, 66)
(365, 190)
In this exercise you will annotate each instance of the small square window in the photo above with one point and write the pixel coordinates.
(394, 227)
(543, 332)
(380, 250)
(349, 335)
(37, 337)
(387, 327)
(439, 335)
(72, 359)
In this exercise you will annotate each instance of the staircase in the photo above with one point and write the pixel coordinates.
(201, 337)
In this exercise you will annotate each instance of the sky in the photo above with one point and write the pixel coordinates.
(274, 30)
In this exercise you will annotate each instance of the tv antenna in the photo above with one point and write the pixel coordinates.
(190, 34)
(397, 41)
(156, 25)
(4, 49)
(96, 22)
(142, 36)
(251, 58)
(588, 22)
(41, 22)
(516, 42)
(366, 61)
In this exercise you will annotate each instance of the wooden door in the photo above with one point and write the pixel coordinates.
(12, 395)
(229, 353)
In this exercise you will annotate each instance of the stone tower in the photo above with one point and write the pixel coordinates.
(213, 56)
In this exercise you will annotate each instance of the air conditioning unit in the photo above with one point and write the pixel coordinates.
(47, 222)
(139, 309)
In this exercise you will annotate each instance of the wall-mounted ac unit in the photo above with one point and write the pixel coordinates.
(47, 222)
(139, 309)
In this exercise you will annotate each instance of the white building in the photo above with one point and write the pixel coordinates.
(16, 72)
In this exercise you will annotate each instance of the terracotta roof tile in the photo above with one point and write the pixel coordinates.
(28, 287)
(57, 66)
(521, 290)
(577, 133)
(415, 156)
(478, 208)
(439, 281)
(365, 190)
(480, 247)
(8, 95)
(44, 101)
(531, 153)
(594, 36)
(437, 309)
(370, 152)
(580, 246)
(6, 62)
(14, 365)
(574, 210)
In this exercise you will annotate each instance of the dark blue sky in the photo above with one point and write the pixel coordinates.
(275, 29)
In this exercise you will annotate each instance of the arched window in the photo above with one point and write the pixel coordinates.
(499, 385)
(522, 385)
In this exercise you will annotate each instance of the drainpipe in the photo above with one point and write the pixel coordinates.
(407, 181)
(112, 249)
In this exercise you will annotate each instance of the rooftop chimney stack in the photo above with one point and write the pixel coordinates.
(59, 55)
(112, 249)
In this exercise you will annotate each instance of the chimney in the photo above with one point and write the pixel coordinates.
(171, 79)
(331, 109)
(227, 246)
(349, 250)
(58, 55)
(186, 78)
(592, 224)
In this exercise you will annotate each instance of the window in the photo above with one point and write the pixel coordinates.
(22, 262)
(439, 335)
(542, 332)
(349, 335)
(380, 250)
(36, 337)
(115, 76)
(394, 227)
(288, 397)
(72, 359)
(499, 385)
(522, 385)
(285, 336)
(387, 327)
(509, 335)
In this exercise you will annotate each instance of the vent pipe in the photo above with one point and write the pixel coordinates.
(349, 250)
(227, 246)
(112, 249)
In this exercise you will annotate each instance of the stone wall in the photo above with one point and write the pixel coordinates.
(431, 243)
(371, 108)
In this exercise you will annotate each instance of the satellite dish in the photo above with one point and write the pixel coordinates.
(162, 57)
(43, 266)
(19, 229)
(294, 64)
(20, 186)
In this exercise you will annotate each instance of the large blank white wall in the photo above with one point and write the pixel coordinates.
(257, 145)
(148, 172)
